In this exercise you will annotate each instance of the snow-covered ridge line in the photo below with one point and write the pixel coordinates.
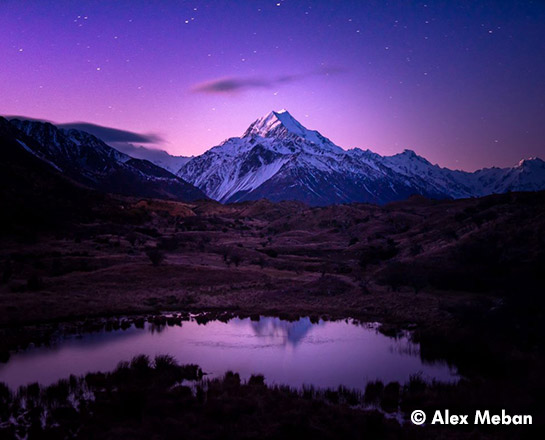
(278, 158)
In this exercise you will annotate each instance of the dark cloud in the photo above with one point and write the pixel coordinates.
(229, 85)
(237, 84)
(107, 134)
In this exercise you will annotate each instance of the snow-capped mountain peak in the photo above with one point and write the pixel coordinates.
(281, 125)
(280, 159)
(270, 125)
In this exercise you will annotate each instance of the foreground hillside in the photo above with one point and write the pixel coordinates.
(426, 263)
(406, 260)
(466, 276)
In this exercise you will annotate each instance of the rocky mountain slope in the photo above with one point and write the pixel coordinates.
(89, 161)
(159, 157)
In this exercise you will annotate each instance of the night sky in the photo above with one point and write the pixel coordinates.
(461, 83)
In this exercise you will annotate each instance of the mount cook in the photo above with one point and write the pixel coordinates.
(279, 159)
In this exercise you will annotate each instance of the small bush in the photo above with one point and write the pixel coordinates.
(271, 253)
(256, 380)
(169, 243)
(164, 362)
(390, 397)
(34, 283)
(236, 259)
(373, 392)
(140, 363)
(156, 256)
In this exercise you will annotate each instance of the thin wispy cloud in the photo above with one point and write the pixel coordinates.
(107, 134)
(233, 85)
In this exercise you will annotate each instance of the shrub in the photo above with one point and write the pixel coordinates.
(132, 237)
(237, 259)
(375, 254)
(399, 274)
(34, 283)
(390, 397)
(373, 392)
(164, 362)
(156, 256)
(257, 380)
(7, 272)
(169, 243)
(261, 262)
(140, 363)
(271, 253)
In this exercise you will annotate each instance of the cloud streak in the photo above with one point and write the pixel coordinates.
(106, 134)
(233, 85)
(109, 134)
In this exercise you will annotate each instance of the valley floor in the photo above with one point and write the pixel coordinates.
(466, 275)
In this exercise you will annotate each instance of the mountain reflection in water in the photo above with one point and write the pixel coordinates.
(323, 354)
(292, 332)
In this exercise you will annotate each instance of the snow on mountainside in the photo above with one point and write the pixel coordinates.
(159, 157)
(283, 126)
(528, 175)
(276, 158)
(88, 160)
(279, 159)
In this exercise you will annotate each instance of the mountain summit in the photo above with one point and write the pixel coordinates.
(283, 126)
(280, 159)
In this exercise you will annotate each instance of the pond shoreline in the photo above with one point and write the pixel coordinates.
(137, 392)
(41, 332)
(352, 352)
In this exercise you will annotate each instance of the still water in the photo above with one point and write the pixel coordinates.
(325, 354)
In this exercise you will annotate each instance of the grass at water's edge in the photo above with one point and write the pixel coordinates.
(161, 399)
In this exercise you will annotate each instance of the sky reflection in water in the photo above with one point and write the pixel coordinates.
(326, 354)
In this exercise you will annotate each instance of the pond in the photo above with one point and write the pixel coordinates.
(295, 353)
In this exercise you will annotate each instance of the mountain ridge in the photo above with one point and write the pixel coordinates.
(88, 160)
(278, 158)
(275, 158)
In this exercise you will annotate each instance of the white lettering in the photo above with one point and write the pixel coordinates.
(437, 418)
(485, 418)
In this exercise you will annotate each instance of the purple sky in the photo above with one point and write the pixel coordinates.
(461, 83)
